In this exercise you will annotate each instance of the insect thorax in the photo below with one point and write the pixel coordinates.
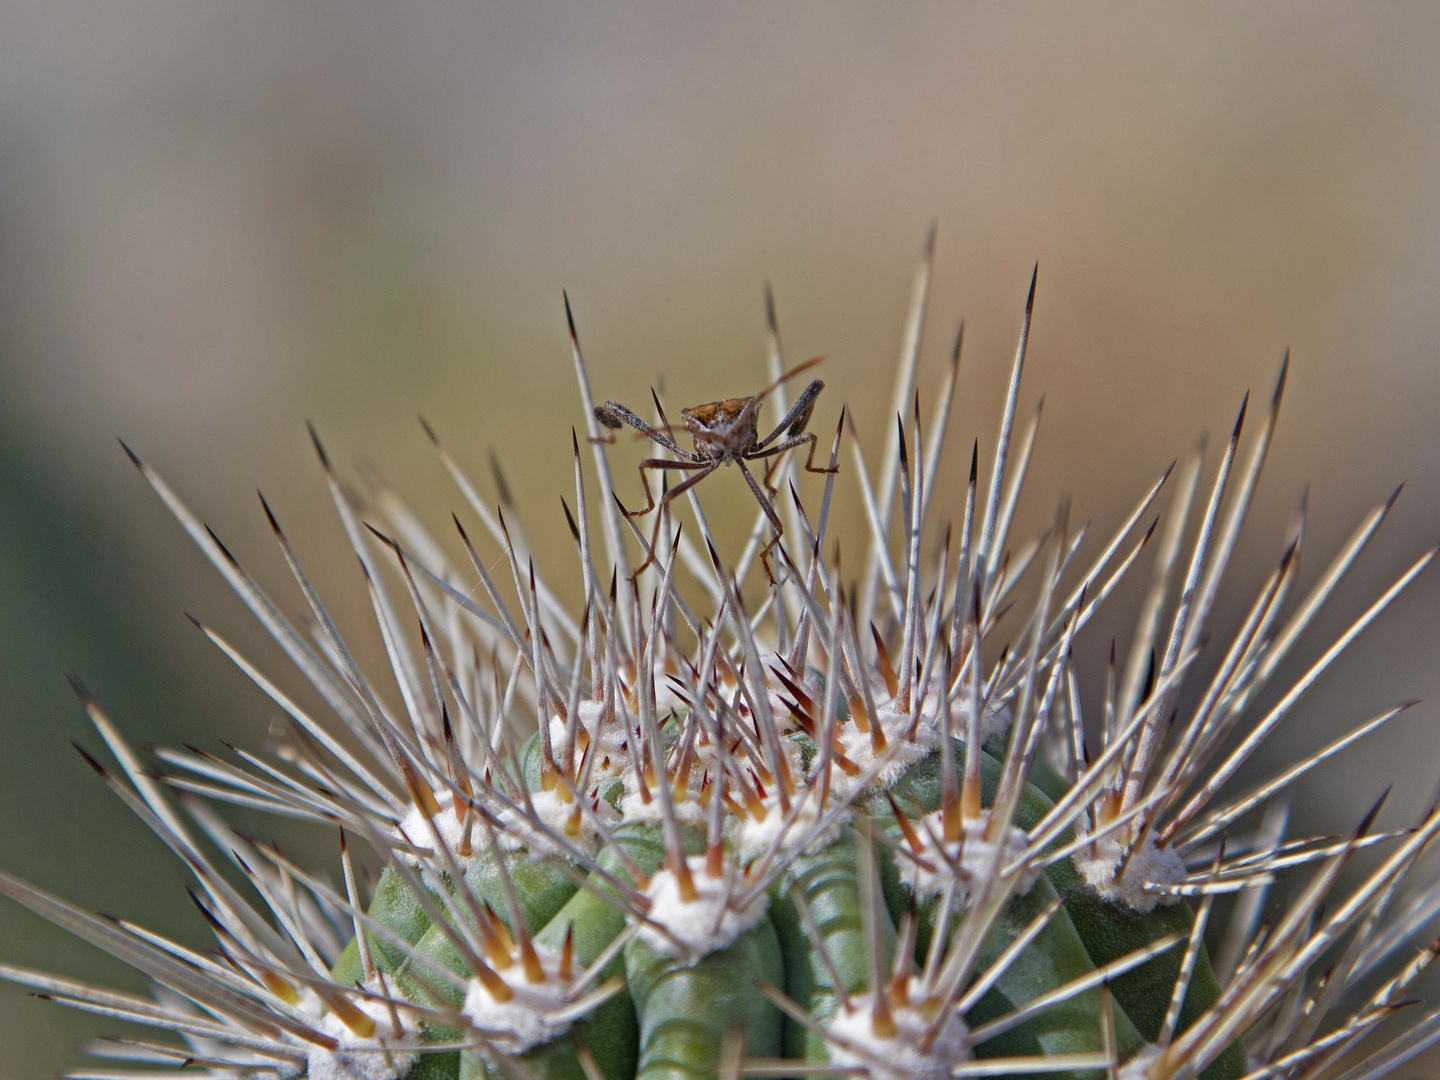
(719, 430)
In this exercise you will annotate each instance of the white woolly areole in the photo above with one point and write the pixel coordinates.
(611, 756)
(363, 1059)
(634, 808)
(899, 753)
(416, 830)
(974, 853)
(310, 1003)
(752, 838)
(519, 832)
(529, 1017)
(704, 925)
(898, 1058)
(1134, 1069)
(994, 721)
(1098, 863)
(690, 811)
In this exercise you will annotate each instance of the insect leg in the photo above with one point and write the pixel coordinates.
(659, 465)
(799, 415)
(774, 455)
(679, 489)
(790, 444)
(770, 467)
(769, 508)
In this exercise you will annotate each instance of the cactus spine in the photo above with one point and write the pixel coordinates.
(813, 835)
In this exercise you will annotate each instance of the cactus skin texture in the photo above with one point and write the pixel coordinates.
(722, 825)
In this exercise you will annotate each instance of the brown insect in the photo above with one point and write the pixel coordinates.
(724, 434)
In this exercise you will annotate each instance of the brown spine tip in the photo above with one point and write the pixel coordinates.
(715, 860)
(567, 955)
(951, 820)
(134, 458)
(858, 713)
(912, 838)
(900, 989)
(680, 867)
(498, 944)
(969, 804)
(502, 488)
(420, 792)
(569, 317)
(1280, 382)
(81, 691)
(1240, 419)
(878, 742)
(882, 658)
(754, 803)
(882, 1022)
(353, 1018)
(319, 447)
(570, 520)
(497, 987)
(530, 960)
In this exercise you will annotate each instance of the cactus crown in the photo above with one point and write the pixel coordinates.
(818, 835)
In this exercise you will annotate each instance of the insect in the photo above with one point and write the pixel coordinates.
(725, 434)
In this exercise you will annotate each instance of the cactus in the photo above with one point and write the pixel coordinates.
(817, 834)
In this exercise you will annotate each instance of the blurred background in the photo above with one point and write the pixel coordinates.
(219, 220)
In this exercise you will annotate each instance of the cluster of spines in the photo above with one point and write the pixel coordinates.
(611, 890)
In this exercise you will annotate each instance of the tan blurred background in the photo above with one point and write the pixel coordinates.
(218, 220)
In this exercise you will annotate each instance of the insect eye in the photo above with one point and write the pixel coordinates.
(606, 416)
